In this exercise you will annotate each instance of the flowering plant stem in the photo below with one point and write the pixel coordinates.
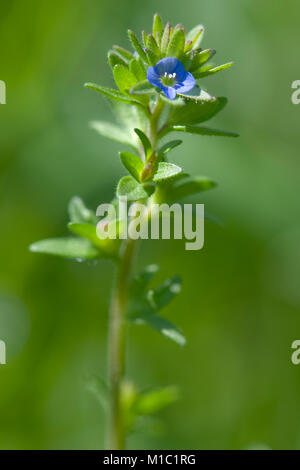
(117, 345)
(117, 327)
(158, 92)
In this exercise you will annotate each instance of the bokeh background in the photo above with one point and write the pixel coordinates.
(240, 305)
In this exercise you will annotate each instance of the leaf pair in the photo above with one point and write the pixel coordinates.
(87, 245)
(145, 304)
(137, 405)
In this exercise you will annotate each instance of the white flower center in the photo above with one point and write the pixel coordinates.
(168, 79)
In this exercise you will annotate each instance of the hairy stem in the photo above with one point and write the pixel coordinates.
(117, 345)
(117, 328)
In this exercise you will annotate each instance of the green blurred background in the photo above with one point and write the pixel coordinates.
(240, 305)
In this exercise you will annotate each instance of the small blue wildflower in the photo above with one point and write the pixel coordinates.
(170, 76)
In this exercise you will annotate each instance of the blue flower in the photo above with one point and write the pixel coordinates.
(170, 76)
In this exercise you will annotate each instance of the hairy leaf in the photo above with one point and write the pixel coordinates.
(201, 58)
(79, 213)
(152, 45)
(137, 46)
(189, 186)
(196, 112)
(176, 44)
(114, 59)
(145, 142)
(111, 93)
(212, 71)
(127, 55)
(165, 171)
(162, 325)
(197, 95)
(157, 28)
(142, 88)
(124, 78)
(134, 191)
(165, 38)
(204, 131)
(196, 36)
(71, 247)
(136, 67)
(132, 163)
(166, 148)
(113, 132)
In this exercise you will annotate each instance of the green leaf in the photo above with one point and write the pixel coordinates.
(151, 57)
(162, 325)
(137, 46)
(86, 231)
(127, 55)
(108, 246)
(141, 280)
(196, 112)
(152, 401)
(79, 213)
(196, 94)
(98, 387)
(201, 58)
(176, 44)
(112, 132)
(111, 93)
(196, 35)
(114, 59)
(187, 187)
(165, 38)
(77, 248)
(162, 295)
(132, 163)
(204, 131)
(166, 148)
(152, 45)
(137, 68)
(124, 78)
(142, 88)
(157, 28)
(165, 171)
(134, 191)
(212, 71)
(145, 142)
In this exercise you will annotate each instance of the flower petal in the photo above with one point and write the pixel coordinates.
(153, 76)
(171, 65)
(170, 92)
(187, 84)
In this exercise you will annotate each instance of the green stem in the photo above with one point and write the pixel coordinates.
(117, 327)
(117, 346)
(154, 120)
